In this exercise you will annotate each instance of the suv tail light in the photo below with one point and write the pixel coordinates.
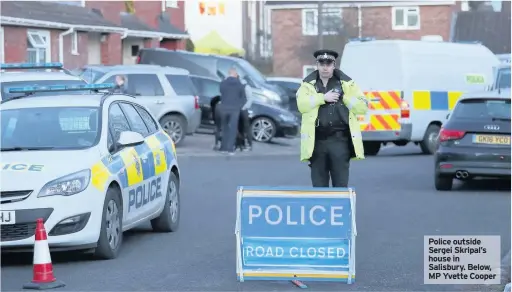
(405, 111)
(446, 135)
(196, 102)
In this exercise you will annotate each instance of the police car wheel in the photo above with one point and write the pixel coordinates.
(111, 233)
(169, 219)
(429, 143)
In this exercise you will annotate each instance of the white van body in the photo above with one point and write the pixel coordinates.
(422, 78)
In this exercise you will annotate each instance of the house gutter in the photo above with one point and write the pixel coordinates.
(154, 34)
(7, 20)
(61, 43)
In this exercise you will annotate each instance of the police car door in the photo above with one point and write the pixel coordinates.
(147, 196)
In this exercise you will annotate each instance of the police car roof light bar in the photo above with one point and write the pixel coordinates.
(54, 65)
(55, 88)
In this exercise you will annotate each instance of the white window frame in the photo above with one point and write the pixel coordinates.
(2, 50)
(314, 31)
(47, 46)
(74, 43)
(171, 4)
(407, 10)
(305, 69)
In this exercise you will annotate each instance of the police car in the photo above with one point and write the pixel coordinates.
(35, 74)
(91, 166)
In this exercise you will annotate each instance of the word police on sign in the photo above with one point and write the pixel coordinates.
(296, 234)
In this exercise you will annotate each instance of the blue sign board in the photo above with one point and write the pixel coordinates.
(296, 234)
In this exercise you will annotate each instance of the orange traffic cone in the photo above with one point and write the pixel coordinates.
(43, 268)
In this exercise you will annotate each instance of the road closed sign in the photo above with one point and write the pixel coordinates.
(305, 234)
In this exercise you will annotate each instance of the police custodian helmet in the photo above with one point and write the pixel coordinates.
(325, 56)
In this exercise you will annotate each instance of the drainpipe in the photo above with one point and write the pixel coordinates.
(61, 43)
(360, 20)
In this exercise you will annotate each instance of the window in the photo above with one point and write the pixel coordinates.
(38, 46)
(181, 84)
(503, 80)
(223, 66)
(148, 119)
(406, 18)
(144, 85)
(117, 121)
(5, 86)
(482, 108)
(2, 45)
(293, 86)
(136, 122)
(58, 127)
(171, 4)
(306, 70)
(332, 21)
(91, 75)
(309, 21)
(74, 43)
(135, 50)
(207, 88)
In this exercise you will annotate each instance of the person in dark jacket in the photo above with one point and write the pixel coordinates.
(120, 84)
(233, 98)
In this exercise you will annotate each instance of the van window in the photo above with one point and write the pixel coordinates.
(181, 84)
(503, 78)
(251, 71)
(90, 75)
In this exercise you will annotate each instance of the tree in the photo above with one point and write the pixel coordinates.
(189, 46)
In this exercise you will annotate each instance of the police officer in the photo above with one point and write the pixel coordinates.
(329, 102)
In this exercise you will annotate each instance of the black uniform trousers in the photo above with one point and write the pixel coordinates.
(331, 159)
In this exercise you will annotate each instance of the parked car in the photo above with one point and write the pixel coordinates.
(32, 74)
(168, 93)
(207, 65)
(290, 85)
(268, 121)
(475, 141)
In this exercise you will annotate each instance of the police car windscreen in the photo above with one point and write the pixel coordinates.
(504, 78)
(6, 85)
(49, 127)
(483, 108)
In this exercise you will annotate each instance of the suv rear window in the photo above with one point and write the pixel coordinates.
(504, 78)
(182, 84)
(482, 108)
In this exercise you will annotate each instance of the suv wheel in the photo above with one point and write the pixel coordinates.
(175, 126)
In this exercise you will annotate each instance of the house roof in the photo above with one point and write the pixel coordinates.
(131, 22)
(165, 25)
(53, 12)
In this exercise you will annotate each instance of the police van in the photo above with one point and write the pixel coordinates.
(91, 166)
(413, 85)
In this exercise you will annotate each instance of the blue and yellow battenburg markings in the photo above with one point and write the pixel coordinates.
(136, 164)
(435, 100)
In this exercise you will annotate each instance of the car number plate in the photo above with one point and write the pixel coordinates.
(491, 139)
(7, 217)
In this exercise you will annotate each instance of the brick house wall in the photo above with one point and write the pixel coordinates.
(15, 46)
(289, 44)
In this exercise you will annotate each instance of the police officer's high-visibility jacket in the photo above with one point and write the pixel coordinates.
(308, 102)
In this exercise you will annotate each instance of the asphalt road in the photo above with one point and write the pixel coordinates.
(397, 205)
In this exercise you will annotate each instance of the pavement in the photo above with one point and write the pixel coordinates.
(397, 205)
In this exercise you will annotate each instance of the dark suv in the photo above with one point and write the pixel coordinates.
(475, 141)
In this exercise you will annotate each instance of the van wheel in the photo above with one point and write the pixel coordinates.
(429, 143)
(169, 219)
(371, 148)
(443, 183)
(111, 233)
(175, 126)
